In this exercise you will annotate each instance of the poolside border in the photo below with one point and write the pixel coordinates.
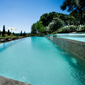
(8, 81)
(75, 47)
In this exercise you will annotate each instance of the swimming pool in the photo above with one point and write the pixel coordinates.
(72, 36)
(38, 61)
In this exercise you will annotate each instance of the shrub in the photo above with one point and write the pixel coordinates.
(26, 35)
(54, 32)
(5, 35)
(68, 29)
(81, 28)
(54, 25)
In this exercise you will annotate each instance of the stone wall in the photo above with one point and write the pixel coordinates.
(75, 47)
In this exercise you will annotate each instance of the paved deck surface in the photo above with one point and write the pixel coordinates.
(7, 81)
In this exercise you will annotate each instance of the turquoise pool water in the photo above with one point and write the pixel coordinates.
(38, 61)
(73, 36)
(82, 39)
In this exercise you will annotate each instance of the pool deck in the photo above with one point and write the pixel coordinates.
(7, 81)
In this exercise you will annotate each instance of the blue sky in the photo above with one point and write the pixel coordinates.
(21, 14)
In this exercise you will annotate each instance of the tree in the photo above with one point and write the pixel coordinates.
(24, 33)
(54, 25)
(71, 5)
(3, 32)
(0, 32)
(21, 33)
(39, 26)
(77, 16)
(13, 33)
(47, 18)
(44, 19)
(9, 32)
(33, 29)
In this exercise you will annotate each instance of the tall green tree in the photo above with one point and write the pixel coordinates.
(44, 19)
(54, 25)
(3, 32)
(39, 26)
(24, 33)
(47, 18)
(8, 32)
(77, 16)
(21, 33)
(71, 5)
(0, 32)
(33, 29)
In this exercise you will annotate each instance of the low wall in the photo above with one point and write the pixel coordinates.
(75, 47)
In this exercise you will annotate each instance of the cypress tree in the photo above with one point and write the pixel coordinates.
(0, 32)
(9, 32)
(24, 33)
(3, 32)
(21, 33)
(13, 33)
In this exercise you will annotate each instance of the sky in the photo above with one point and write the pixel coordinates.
(21, 14)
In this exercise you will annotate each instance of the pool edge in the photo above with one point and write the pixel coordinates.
(75, 47)
(8, 81)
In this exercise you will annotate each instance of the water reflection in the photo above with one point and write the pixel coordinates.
(77, 67)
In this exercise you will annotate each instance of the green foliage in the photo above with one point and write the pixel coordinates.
(33, 29)
(81, 28)
(9, 32)
(68, 4)
(29, 34)
(77, 16)
(69, 20)
(17, 34)
(39, 26)
(50, 22)
(21, 33)
(0, 32)
(5, 35)
(24, 34)
(47, 18)
(38, 34)
(12, 34)
(54, 33)
(44, 19)
(67, 29)
(71, 5)
(55, 24)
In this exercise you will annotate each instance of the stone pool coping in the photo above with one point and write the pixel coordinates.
(75, 47)
(8, 81)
